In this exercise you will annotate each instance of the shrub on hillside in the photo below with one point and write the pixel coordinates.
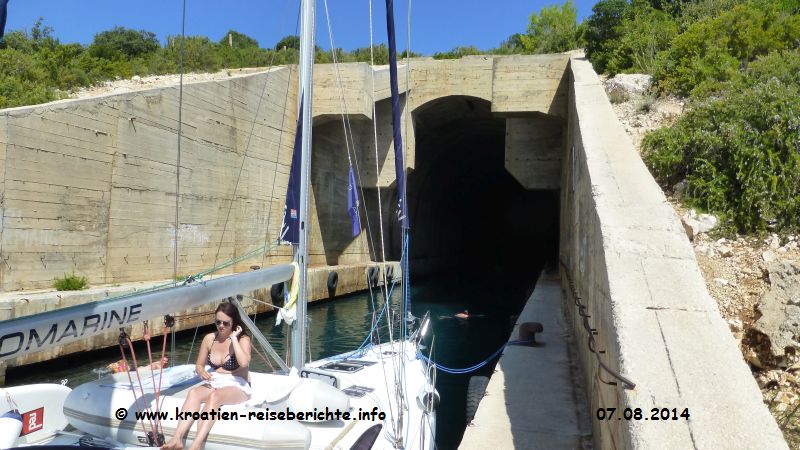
(458, 52)
(123, 42)
(740, 155)
(22, 80)
(715, 49)
(643, 34)
(602, 32)
(554, 29)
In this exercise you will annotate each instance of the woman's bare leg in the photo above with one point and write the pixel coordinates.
(194, 399)
(225, 396)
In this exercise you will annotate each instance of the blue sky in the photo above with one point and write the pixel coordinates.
(437, 25)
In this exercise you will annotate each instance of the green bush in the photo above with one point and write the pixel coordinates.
(646, 103)
(618, 96)
(714, 50)
(643, 34)
(123, 43)
(740, 154)
(553, 30)
(70, 283)
(602, 31)
(695, 11)
(458, 52)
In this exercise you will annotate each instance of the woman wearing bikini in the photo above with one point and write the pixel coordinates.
(227, 351)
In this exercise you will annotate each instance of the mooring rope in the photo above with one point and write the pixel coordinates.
(473, 368)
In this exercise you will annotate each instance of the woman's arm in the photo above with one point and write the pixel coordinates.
(241, 348)
(202, 355)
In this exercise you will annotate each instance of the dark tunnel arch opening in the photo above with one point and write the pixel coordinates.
(469, 216)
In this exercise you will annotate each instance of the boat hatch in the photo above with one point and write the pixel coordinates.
(343, 366)
(357, 391)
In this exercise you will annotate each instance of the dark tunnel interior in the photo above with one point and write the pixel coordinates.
(469, 216)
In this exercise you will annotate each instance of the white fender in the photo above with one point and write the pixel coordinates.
(10, 429)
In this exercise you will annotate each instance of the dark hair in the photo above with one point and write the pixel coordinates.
(231, 311)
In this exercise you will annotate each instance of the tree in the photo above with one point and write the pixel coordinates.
(238, 40)
(602, 31)
(380, 53)
(513, 44)
(288, 42)
(644, 32)
(553, 30)
(123, 42)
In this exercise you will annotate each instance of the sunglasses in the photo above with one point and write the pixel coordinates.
(224, 323)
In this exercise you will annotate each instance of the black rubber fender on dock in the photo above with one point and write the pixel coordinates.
(333, 282)
(475, 392)
(389, 274)
(372, 276)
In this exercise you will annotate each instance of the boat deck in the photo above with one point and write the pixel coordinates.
(535, 399)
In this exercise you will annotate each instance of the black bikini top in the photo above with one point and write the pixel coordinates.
(230, 363)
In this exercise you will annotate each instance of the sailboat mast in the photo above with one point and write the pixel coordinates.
(305, 96)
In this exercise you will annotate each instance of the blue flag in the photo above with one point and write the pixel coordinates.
(352, 203)
(399, 166)
(3, 11)
(290, 228)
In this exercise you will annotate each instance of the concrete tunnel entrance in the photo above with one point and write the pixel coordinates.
(469, 215)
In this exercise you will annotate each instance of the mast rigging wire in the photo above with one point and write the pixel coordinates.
(247, 149)
(348, 130)
(178, 162)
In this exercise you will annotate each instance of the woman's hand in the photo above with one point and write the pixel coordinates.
(201, 372)
(237, 332)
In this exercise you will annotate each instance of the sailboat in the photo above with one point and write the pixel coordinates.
(379, 396)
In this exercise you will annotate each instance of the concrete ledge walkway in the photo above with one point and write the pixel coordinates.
(534, 399)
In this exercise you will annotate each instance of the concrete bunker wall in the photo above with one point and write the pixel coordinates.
(637, 276)
(89, 185)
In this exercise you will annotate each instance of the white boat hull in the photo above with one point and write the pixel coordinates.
(94, 407)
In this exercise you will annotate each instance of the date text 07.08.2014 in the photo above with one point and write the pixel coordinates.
(655, 414)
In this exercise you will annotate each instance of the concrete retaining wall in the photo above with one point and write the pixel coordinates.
(655, 321)
(89, 185)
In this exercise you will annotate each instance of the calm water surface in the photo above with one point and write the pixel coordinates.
(342, 325)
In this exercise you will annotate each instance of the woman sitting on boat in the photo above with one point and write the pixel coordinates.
(227, 351)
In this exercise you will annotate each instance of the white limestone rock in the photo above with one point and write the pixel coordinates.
(694, 223)
(725, 251)
(780, 309)
(630, 83)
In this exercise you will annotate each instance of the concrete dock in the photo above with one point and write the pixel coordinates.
(535, 399)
